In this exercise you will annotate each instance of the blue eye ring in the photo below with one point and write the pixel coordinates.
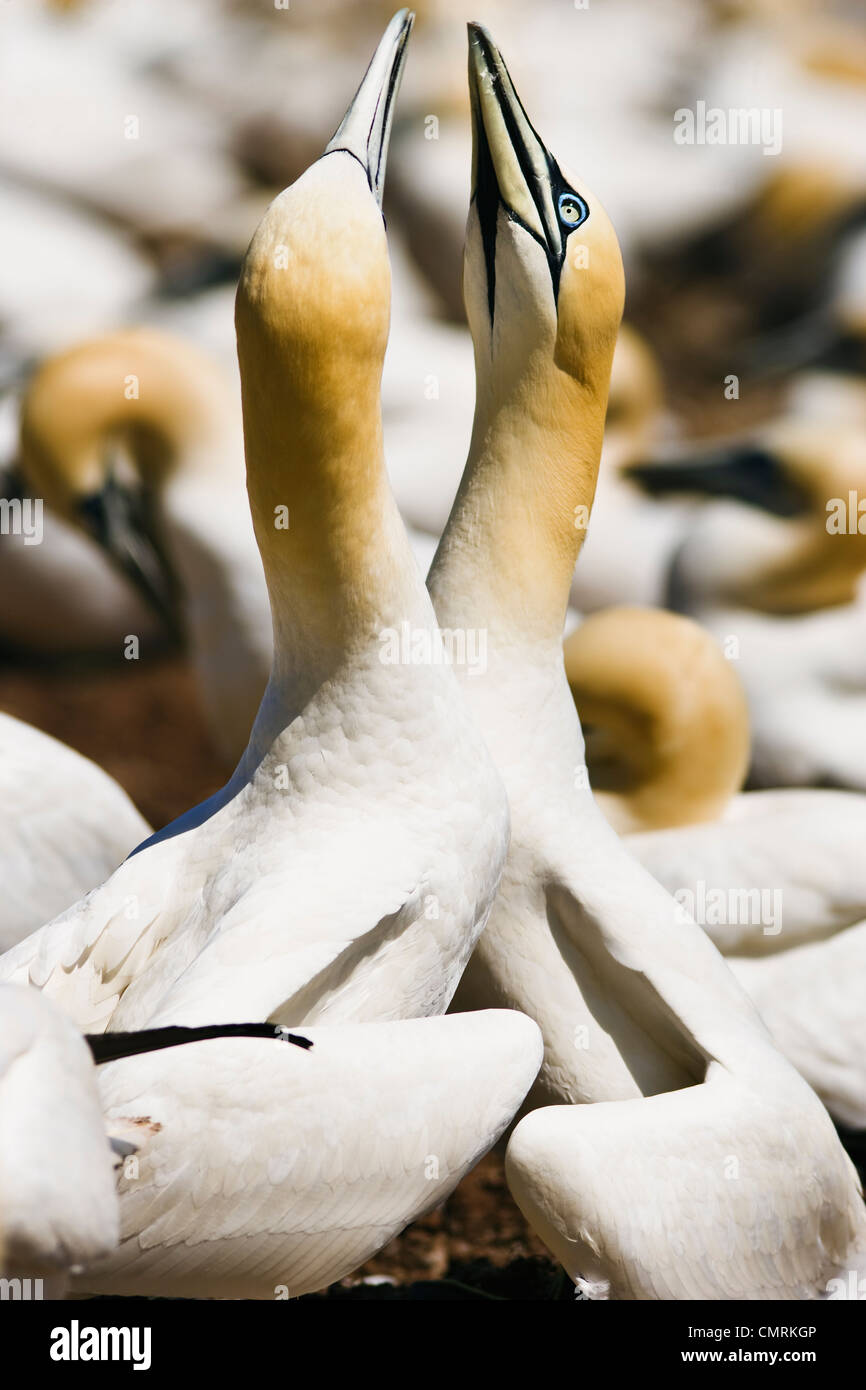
(578, 211)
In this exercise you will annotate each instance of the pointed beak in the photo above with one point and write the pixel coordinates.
(743, 472)
(121, 522)
(365, 129)
(510, 164)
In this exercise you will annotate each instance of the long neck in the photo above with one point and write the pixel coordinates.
(335, 552)
(507, 556)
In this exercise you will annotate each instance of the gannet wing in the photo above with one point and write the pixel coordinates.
(84, 959)
(713, 1192)
(811, 999)
(57, 1201)
(779, 868)
(263, 1170)
(347, 925)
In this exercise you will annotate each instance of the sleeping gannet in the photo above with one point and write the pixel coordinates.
(767, 874)
(135, 438)
(775, 570)
(632, 998)
(265, 1171)
(65, 825)
(348, 866)
(58, 1206)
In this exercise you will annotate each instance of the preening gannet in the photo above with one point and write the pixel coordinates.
(135, 438)
(264, 1171)
(65, 825)
(632, 998)
(58, 1206)
(777, 576)
(348, 866)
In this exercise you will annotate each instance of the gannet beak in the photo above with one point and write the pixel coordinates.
(365, 129)
(744, 472)
(120, 521)
(510, 164)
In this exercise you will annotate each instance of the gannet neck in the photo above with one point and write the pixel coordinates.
(664, 716)
(517, 525)
(312, 331)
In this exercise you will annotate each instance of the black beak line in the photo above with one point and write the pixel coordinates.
(111, 1047)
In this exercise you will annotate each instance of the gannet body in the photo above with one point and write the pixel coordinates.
(348, 866)
(58, 1206)
(65, 825)
(632, 998)
(265, 1171)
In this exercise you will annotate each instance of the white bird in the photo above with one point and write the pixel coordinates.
(347, 868)
(135, 438)
(632, 998)
(769, 874)
(265, 1171)
(776, 575)
(65, 825)
(58, 1206)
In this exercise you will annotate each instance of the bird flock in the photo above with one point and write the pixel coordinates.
(485, 868)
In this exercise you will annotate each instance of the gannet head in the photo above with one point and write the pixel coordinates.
(664, 716)
(315, 284)
(542, 267)
(108, 424)
(798, 543)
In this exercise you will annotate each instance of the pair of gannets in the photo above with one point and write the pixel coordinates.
(769, 874)
(632, 999)
(776, 573)
(700, 1117)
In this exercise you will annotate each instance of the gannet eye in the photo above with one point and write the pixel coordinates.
(572, 209)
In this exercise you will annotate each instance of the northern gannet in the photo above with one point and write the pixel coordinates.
(632, 998)
(135, 437)
(264, 1171)
(769, 875)
(347, 868)
(58, 1206)
(774, 568)
(65, 825)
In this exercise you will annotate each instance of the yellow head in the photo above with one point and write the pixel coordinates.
(664, 717)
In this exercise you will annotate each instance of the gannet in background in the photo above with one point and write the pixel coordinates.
(65, 825)
(58, 1206)
(265, 1171)
(632, 998)
(135, 438)
(348, 866)
(666, 729)
(769, 874)
(775, 572)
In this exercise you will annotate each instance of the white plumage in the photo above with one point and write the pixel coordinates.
(65, 825)
(58, 1206)
(266, 1171)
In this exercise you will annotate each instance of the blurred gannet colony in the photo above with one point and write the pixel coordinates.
(319, 879)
